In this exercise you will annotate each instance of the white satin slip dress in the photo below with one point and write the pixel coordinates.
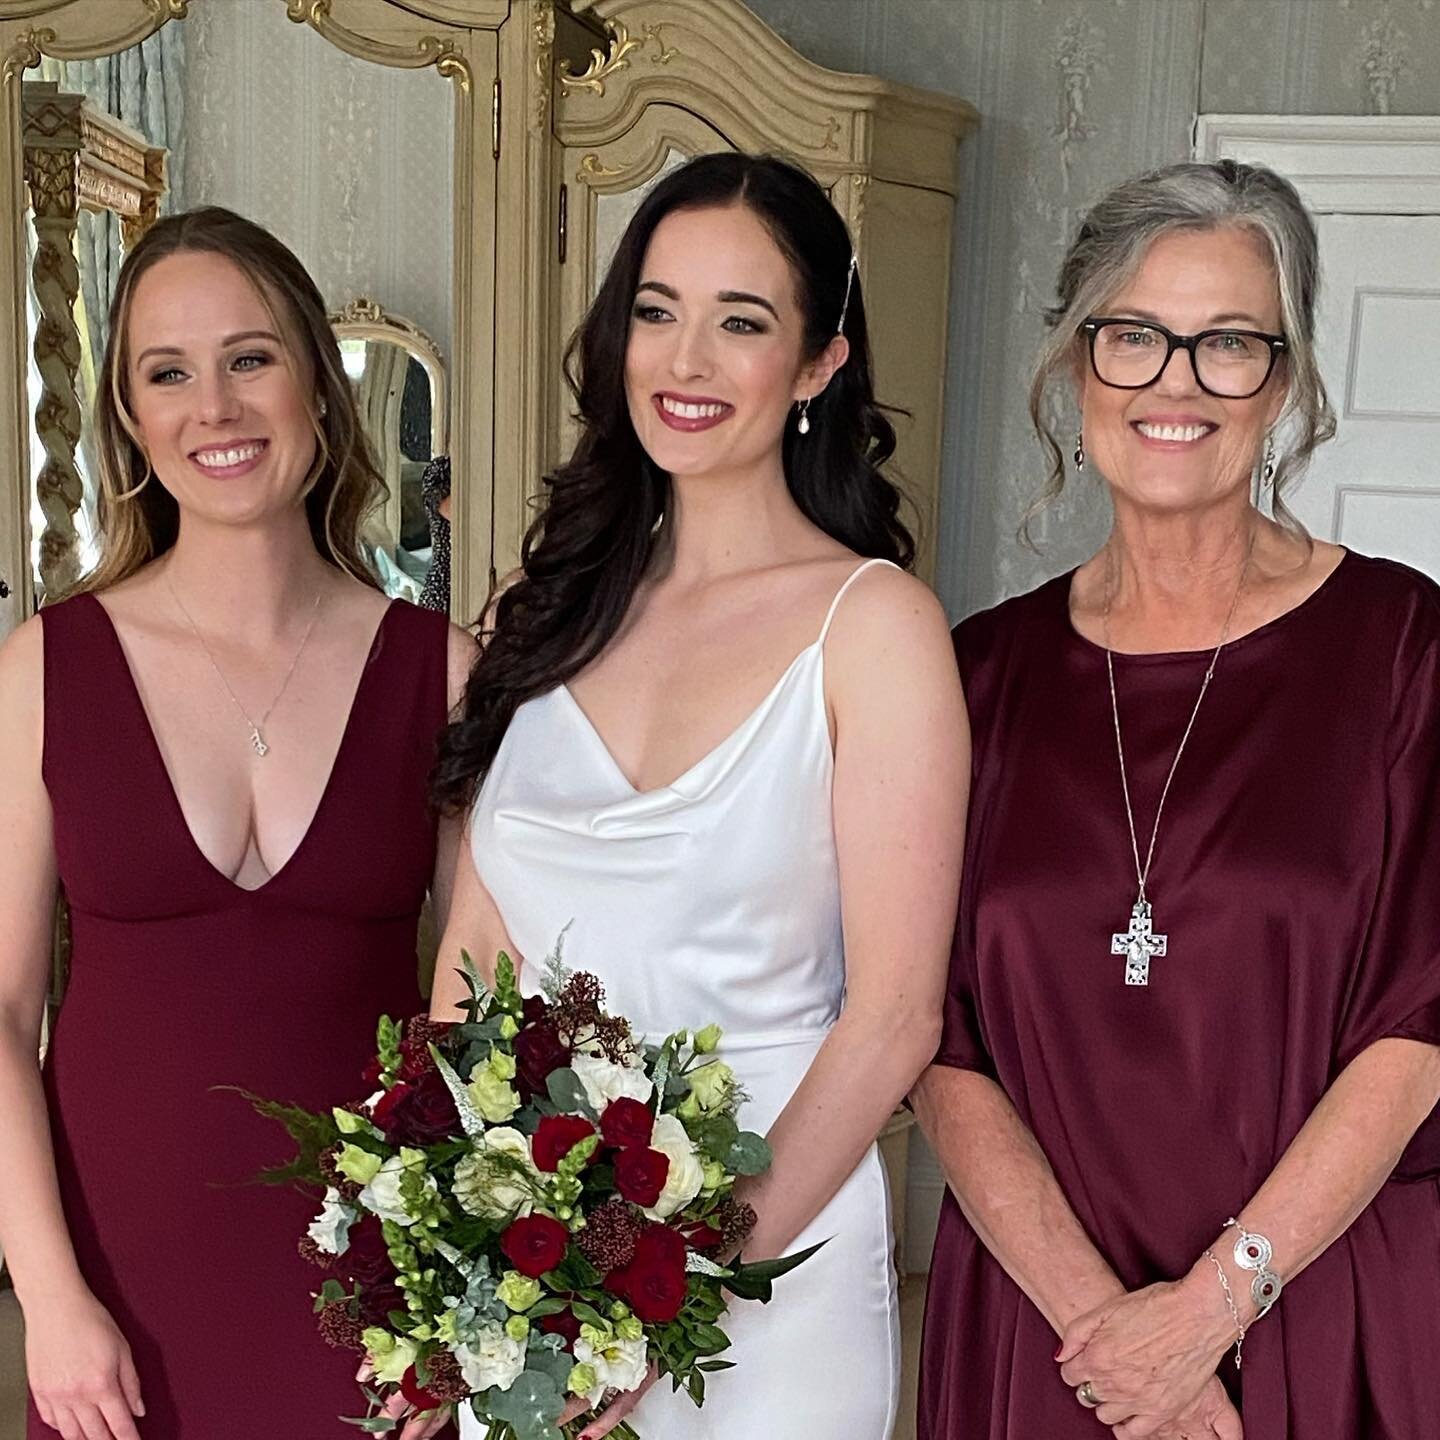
(715, 898)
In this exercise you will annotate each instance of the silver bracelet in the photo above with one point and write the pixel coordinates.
(1254, 1252)
(1230, 1301)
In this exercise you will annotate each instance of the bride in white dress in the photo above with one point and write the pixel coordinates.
(718, 731)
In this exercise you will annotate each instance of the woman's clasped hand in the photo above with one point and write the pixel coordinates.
(1149, 1360)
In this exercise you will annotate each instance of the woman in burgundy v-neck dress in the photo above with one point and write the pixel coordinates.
(222, 755)
(1247, 1028)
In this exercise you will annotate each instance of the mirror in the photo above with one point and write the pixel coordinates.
(349, 162)
(399, 381)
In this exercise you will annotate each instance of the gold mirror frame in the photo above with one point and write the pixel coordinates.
(366, 319)
(458, 39)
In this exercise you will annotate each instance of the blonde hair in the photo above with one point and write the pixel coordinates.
(1111, 246)
(139, 518)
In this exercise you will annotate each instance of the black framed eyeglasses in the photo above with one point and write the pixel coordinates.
(1229, 364)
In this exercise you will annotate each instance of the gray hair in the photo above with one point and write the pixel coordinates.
(1110, 247)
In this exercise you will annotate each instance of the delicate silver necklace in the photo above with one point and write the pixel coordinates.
(1140, 944)
(256, 728)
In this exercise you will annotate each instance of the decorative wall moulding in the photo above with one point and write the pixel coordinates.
(1345, 164)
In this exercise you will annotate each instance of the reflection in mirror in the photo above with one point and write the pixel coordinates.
(399, 381)
(350, 163)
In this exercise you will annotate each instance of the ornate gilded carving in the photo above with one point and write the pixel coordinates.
(543, 36)
(593, 168)
(664, 53)
(604, 64)
(445, 55)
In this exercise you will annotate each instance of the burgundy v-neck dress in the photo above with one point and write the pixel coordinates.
(1297, 878)
(181, 981)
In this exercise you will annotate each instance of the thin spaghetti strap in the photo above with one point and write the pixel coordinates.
(850, 579)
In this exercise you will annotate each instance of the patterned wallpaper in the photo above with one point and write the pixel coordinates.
(348, 162)
(1074, 95)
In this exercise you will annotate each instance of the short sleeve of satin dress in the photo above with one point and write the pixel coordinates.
(1297, 882)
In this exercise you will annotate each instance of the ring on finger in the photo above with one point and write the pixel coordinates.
(1085, 1394)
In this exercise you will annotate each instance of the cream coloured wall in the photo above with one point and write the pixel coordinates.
(347, 161)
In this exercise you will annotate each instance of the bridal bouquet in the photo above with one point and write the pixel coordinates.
(531, 1206)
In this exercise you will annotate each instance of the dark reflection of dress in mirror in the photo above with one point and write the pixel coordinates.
(435, 489)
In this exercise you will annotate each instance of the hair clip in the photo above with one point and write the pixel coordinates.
(849, 283)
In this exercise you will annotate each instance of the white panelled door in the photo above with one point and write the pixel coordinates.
(1376, 487)
(1373, 184)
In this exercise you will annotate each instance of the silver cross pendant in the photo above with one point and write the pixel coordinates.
(1138, 944)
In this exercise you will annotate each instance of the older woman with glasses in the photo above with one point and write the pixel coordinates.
(1192, 1038)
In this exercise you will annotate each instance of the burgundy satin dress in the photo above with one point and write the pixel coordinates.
(1297, 878)
(181, 981)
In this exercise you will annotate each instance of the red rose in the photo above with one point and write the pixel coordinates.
(627, 1122)
(416, 1394)
(533, 1008)
(660, 1245)
(538, 1051)
(377, 1301)
(653, 1284)
(555, 1136)
(367, 1260)
(563, 1322)
(417, 1112)
(535, 1244)
(640, 1174)
(702, 1235)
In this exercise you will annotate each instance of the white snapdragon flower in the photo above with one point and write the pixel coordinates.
(491, 1359)
(488, 1191)
(686, 1174)
(382, 1195)
(605, 1081)
(620, 1365)
(330, 1229)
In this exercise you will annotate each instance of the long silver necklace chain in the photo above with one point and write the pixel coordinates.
(258, 743)
(1140, 944)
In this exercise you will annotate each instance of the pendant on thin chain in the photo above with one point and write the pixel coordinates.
(257, 741)
(1139, 944)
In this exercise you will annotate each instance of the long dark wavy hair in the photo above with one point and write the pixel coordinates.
(593, 542)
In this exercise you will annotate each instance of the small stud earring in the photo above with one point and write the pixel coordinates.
(1079, 456)
(323, 407)
(1267, 469)
(804, 423)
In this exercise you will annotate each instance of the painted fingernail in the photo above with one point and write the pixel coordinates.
(1060, 1350)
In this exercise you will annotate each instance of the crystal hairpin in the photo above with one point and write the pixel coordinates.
(849, 285)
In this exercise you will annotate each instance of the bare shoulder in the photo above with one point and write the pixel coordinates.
(887, 611)
(462, 648)
(22, 686)
(22, 661)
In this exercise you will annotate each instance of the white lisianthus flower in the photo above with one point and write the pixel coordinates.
(686, 1174)
(382, 1195)
(491, 1359)
(485, 1189)
(330, 1229)
(619, 1365)
(605, 1081)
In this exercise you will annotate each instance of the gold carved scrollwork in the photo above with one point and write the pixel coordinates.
(664, 53)
(164, 10)
(544, 38)
(445, 55)
(593, 168)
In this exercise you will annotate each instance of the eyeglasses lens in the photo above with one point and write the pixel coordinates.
(1227, 362)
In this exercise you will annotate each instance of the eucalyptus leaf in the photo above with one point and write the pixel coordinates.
(749, 1155)
(567, 1091)
(531, 1406)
